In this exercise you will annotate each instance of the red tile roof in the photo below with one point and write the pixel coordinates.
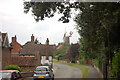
(60, 47)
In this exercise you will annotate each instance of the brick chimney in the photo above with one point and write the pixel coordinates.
(0, 40)
(14, 39)
(47, 48)
(32, 39)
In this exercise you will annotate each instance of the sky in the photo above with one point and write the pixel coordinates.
(14, 21)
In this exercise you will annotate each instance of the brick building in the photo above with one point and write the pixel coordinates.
(0, 50)
(27, 57)
(24, 62)
(5, 55)
(16, 46)
(32, 55)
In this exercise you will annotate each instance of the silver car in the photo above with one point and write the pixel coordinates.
(43, 72)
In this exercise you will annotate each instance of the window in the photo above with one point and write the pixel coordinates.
(14, 76)
(5, 75)
(6, 44)
(18, 75)
(42, 69)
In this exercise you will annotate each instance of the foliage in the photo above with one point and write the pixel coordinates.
(65, 44)
(98, 26)
(36, 41)
(12, 67)
(73, 51)
(41, 10)
(60, 53)
(116, 62)
(97, 23)
(96, 62)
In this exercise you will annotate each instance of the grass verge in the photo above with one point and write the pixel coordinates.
(84, 69)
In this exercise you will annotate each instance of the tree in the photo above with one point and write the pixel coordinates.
(41, 10)
(73, 51)
(36, 41)
(116, 64)
(60, 53)
(97, 24)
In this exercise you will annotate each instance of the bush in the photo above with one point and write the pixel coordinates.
(116, 63)
(12, 67)
(96, 62)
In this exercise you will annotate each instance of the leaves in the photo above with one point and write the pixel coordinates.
(60, 53)
(116, 62)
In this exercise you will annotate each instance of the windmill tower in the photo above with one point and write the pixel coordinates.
(66, 38)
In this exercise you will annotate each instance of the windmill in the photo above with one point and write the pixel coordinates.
(66, 37)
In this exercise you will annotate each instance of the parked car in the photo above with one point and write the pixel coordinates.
(43, 72)
(10, 75)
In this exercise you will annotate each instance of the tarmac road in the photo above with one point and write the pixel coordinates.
(65, 71)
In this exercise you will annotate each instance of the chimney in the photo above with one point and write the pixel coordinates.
(47, 48)
(32, 39)
(47, 42)
(14, 39)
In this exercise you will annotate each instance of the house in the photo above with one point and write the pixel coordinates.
(5, 40)
(24, 62)
(15, 47)
(45, 51)
(0, 50)
(60, 46)
(5, 54)
(32, 55)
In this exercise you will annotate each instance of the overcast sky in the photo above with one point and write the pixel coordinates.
(14, 21)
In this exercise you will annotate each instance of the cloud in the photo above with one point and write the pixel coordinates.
(15, 22)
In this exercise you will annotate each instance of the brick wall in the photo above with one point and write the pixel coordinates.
(6, 57)
(16, 46)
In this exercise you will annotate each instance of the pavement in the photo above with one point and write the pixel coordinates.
(93, 74)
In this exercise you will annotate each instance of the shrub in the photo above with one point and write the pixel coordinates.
(116, 63)
(12, 67)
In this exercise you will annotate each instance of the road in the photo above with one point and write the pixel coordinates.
(65, 71)
(62, 71)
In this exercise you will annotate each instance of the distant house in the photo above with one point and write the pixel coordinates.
(15, 46)
(5, 54)
(60, 46)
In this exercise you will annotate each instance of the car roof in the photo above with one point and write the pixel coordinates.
(9, 71)
(42, 66)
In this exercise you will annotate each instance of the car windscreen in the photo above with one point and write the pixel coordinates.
(5, 75)
(41, 69)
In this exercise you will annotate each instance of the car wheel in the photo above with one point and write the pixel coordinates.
(52, 78)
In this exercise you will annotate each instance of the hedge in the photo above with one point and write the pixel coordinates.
(12, 67)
